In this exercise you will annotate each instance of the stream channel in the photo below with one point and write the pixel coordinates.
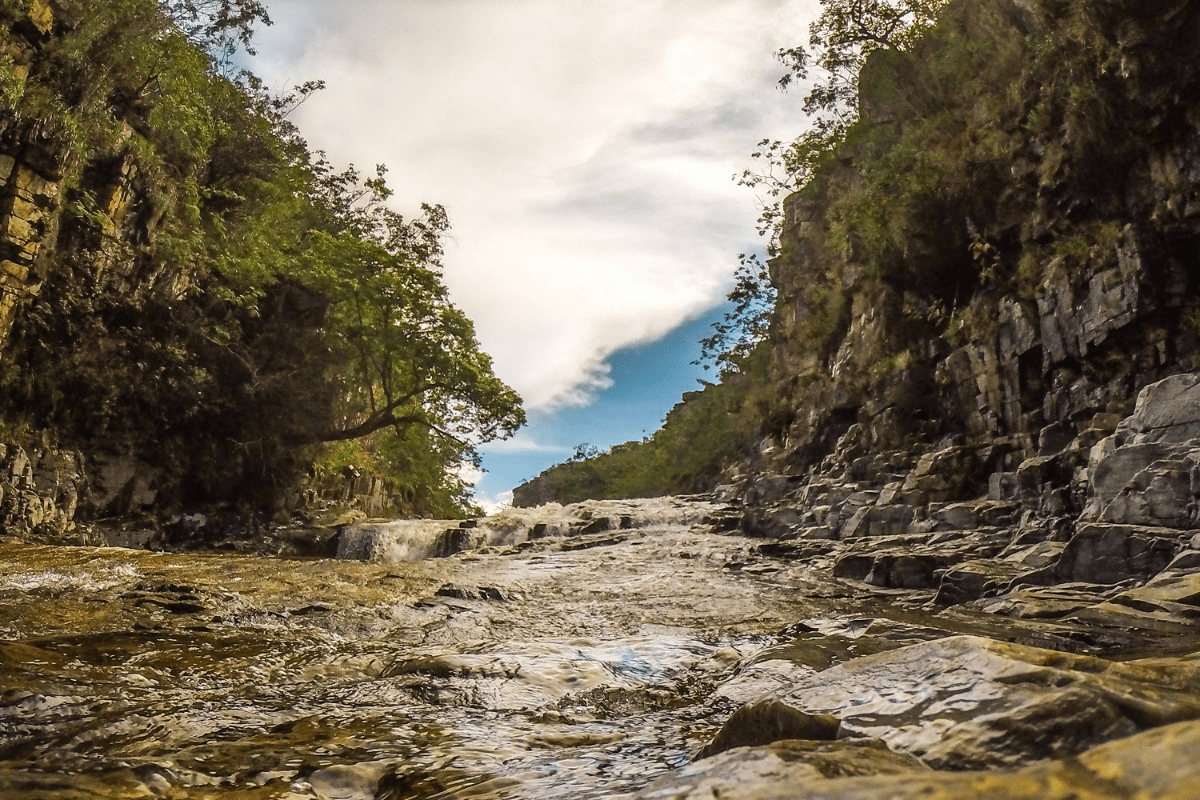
(565, 666)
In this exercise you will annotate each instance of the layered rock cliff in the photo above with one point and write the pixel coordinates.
(1005, 251)
(985, 347)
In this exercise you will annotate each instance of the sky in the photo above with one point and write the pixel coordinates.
(584, 151)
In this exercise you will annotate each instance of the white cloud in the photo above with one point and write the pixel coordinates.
(582, 148)
(522, 443)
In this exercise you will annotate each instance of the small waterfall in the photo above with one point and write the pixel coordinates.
(413, 540)
(392, 542)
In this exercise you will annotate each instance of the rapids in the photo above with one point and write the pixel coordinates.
(579, 667)
(581, 652)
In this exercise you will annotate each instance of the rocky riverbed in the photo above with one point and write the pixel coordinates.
(658, 660)
(855, 632)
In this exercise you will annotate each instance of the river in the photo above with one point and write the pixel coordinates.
(580, 666)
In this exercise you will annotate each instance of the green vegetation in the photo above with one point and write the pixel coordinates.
(700, 437)
(221, 301)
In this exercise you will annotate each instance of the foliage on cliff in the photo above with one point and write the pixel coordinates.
(1010, 161)
(956, 255)
(219, 300)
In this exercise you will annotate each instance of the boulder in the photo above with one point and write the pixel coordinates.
(1165, 470)
(1159, 495)
(967, 702)
(1168, 411)
(863, 771)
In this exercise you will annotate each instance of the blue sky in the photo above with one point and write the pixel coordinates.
(647, 380)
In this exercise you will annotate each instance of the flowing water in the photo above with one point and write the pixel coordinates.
(558, 667)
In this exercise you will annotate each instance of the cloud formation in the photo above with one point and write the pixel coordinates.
(583, 150)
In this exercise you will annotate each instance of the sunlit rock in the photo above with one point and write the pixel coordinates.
(969, 703)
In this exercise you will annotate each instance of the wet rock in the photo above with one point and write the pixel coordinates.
(597, 525)
(972, 580)
(1046, 603)
(767, 722)
(967, 702)
(1118, 769)
(1170, 600)
(345, 781)
(455, 540)
(744, 771)
(594, 541)
(495, 593)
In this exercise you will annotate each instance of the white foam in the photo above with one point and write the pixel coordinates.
(413, 540)
(60, 581)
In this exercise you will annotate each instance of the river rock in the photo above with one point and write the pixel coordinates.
(790, 762)
(1119, 769)
(767, 722)
(967, 702)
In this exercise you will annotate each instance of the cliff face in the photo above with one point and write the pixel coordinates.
(1004, 250)
(42, 161)
(1007, 248)
(43, 486)
(986, 346)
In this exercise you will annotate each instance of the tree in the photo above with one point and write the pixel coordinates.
(736, 335)
(413, 357)
(218, 27)
(840, 39)
(839, 42)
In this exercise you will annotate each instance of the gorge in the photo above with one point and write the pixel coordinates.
(937, 535)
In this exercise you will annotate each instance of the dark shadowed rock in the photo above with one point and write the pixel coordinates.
(769, 721)
(1109, 554)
